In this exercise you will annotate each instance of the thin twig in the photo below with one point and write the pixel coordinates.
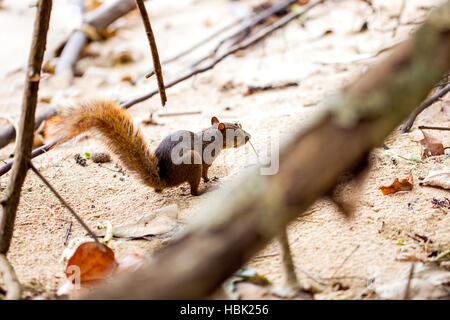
(345, 260)
(9, 133)
(434, 128)
(154, 49)
(13, 288)
(439, 94)
(36, 152)
(311, 276)
(366, 290)
(408, 284)
(174, 114)
(69, 229)
(84, 225)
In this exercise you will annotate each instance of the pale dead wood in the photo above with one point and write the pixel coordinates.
(353, 123)
(99, 19)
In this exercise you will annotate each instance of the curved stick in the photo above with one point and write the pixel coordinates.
(439, 94)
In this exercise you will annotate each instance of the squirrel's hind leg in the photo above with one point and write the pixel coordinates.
(195, 172)
(205, 172)
(194, 180)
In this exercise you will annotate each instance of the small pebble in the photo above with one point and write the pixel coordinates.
(100, 157)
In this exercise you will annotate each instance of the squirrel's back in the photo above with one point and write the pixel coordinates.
(121, 136)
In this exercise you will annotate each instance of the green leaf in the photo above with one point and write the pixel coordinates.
(86, 155)
(251, 275)
(400, 243)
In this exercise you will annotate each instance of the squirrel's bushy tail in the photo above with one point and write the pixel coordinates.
(116, 127)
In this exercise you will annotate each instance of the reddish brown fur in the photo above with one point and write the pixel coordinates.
(122, 137)
(156, 169)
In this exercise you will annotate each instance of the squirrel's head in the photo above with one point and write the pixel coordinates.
(233, 134)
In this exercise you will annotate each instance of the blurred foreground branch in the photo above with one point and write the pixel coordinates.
(250, 212)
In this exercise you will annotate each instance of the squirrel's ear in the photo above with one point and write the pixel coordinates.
(221, 126)
(214, 120)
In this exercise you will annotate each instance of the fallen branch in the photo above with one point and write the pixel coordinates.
(154, 50)
(255, 209)
(439, 94)
(26, 128)
(36, 152)
(9, 133)
(98, 19)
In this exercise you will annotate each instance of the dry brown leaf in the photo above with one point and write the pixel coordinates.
(431, 146)
(398, 185)
(95, 267)
(438, 178)
(94, 264)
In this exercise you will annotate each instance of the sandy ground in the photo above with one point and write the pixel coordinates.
(321, 241)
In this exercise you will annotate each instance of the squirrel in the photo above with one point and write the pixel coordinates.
(182, 156)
